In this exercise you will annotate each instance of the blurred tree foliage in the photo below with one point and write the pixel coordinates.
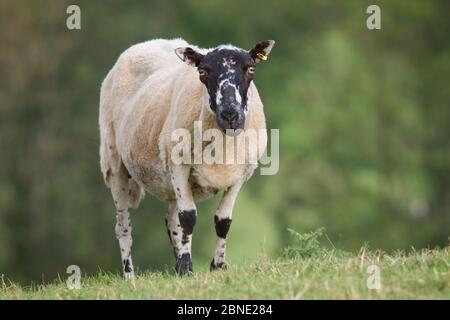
(363, 118)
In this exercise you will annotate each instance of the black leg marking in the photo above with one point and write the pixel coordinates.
(187, 223)
(184, 264)
(187, 220)
(127, 266)
(222, 226)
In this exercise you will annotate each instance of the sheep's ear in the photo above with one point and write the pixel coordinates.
(261, 50)
(189, 55)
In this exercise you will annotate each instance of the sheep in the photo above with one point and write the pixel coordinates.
(158, 87)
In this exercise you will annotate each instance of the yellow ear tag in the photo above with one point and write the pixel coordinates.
(261, 56)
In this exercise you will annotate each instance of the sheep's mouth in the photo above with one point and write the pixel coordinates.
(233, 132)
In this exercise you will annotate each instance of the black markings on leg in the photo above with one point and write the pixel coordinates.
(187, 223)
(187, 220)
(127, 266)
(222, 226)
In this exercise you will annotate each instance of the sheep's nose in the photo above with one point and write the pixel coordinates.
(229, 115)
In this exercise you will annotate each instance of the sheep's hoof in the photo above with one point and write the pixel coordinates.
(183, 265)
(223, 265)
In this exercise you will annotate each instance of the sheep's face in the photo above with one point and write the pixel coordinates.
(227, 72)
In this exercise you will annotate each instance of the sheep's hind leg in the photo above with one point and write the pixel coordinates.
(222, 222)
(120, 191)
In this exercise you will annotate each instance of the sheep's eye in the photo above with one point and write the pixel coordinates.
(251, 70)
(202, 72)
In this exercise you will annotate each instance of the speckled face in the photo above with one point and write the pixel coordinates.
(227, 72)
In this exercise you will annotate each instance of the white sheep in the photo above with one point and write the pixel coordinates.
(148, 95)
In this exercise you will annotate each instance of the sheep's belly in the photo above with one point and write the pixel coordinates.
(157, 182)
(205, 180)
(153, 178)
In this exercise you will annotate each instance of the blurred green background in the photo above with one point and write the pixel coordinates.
(364, 121)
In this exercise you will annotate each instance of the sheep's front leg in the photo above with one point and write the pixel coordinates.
(119, 190)
(181, 219)
(222, 222)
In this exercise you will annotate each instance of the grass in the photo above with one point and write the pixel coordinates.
(306, 270)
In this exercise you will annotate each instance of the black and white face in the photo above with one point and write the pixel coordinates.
(227, 72)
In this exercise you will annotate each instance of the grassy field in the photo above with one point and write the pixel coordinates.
(306, 270)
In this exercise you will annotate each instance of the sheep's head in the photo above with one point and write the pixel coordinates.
(227, 71)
